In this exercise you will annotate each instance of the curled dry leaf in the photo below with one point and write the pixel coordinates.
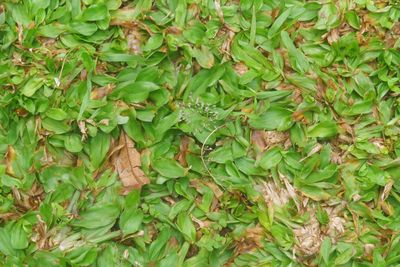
(202, 224)
(385, 206)
(216, 190)
(266, 139)
(134, 43)
(101, 92)
(197, 184)
(309, 237)
(290, 190)
(183, 150)
(226, 45)
(251, 240)
(274, 194)
(386, 190)
(127, 163)
(9, 216)
(369, 249)
(82, 129)
(42, 237)
(28, 200)
(311, 234)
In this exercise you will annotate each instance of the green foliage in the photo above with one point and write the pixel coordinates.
(266, 133)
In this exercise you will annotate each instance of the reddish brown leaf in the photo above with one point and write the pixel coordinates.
(250, 240)
(127, 163)
(99, 93)
(183, 150)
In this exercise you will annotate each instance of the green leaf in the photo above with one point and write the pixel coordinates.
(98, 148)
(186, 227)
(275, 118)
(278, 23)
(204, 57)
(344, 257)
(5, 242)
(169, 168)
(283, 235)
(19, 238)
(73, 143)
(270, 158)
(328, 17)
(95, 13)
(352, 19)
(95, 217)
(323, 129)
(298, 60)
(130, 221)
(58, 127)
(326, 249)
(51, 30)
(86, 97)
(86, 29)
(154, 42)
(364, 84)
(32, 86)
(135, 92)
(56, 114)
(180, 13)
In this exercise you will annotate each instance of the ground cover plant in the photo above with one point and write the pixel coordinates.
(199, 133)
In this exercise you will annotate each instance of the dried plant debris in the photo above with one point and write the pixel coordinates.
(128, 165)
(199, 133)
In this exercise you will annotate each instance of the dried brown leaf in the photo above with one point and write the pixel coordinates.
(240, 68)
(183, 151)
(28, 200)
(251, 240)
(101, 92)
(274, 194)
(134, 44)
(9, 158)
(127, 163)
(9, 216)
(216, 190)
(266, 139)
(228, 35)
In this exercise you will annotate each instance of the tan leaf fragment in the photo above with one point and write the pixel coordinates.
(133, 41)
(264, 140)
(127, 163)
(240, 68)
(99, 93)
(219, 10)
(274, 194)
(309, 236)
(9, 158)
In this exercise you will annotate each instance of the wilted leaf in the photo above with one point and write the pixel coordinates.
(269, 131)
(128, 165)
